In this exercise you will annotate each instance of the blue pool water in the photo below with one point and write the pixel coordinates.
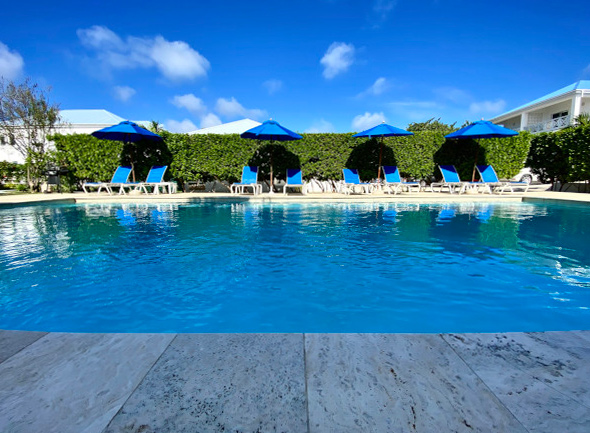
(340, 267)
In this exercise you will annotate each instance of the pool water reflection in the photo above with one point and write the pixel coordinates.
(339, 267)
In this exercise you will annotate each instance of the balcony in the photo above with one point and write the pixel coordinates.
(549, 125)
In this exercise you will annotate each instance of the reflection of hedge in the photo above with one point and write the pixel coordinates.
(562, 156)
(322, 156)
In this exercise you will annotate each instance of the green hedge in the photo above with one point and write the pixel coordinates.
(321, 156)
(506, 155)
(95, 160)
(12, 172)
(562, 156)
(87, 157)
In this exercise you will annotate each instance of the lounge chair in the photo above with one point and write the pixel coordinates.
(155, 181)
(392, 181)
(352, 180)
(489, 177)
(453, 183)
(120, 176)
(294, 180)
(249, 180)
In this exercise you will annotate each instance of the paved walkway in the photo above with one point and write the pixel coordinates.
(421, 197)
(515, 382)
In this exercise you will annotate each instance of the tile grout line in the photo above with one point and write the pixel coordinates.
(441, 336)
(541, 382)
(305, 382)
(23, 348)
(139, 383)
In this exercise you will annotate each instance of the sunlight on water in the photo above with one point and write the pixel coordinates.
(340, 267)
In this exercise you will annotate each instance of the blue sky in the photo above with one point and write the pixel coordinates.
(315, 66)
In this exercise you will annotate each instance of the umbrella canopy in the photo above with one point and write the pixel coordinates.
(127, 132)
(382, 130)
(482, 129)
(271, 131)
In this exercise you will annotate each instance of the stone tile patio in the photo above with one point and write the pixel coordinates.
(511, 382)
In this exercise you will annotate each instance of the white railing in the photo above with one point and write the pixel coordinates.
(550, 125)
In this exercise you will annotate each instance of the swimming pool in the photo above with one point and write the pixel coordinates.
(295, 267)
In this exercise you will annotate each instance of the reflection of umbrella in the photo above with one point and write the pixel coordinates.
(127, 132)
(271, 131)
(383, 130)
(482, 129)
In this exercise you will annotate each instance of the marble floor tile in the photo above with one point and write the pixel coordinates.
(396, 383)
(221, 383)
(12, 342)
(543, 378)
(74, 382)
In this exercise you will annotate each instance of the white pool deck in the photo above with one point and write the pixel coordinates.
(148, 383)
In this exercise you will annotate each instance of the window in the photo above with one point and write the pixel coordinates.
(558, 115)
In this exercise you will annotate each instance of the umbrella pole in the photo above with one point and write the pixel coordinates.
(475, 164)
(132, 158)
(271, 191)
(380, 155)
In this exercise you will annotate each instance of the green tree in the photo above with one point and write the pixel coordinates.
(582, 120)
(27, 117)
(432, 124)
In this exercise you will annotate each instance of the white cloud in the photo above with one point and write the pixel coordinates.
(175, 60)
(210, 119)
(11, 63)
(232, 109)
(272, 86)
(198, 108)
(189, 101)
(183, 126)
(487, 107)
(453, 94)
(381, 11)
(413, 104)
(320, 126)
(380, 86)
(124, 93)
(417, 111)
(100, 38)
(338, 58)
(367, 120)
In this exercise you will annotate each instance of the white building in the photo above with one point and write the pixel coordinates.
(72, 122)
(550, 112)
(237, 127)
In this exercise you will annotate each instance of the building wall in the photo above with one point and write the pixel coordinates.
(512, 123)
(546, 113)
(10, 154)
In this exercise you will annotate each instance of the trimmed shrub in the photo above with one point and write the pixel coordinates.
(321, 156)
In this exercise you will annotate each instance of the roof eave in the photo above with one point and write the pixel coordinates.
(553, 100)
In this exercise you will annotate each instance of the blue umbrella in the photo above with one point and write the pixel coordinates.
(271, 131)
(481, 129)
(127, 132)
(382, 130)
